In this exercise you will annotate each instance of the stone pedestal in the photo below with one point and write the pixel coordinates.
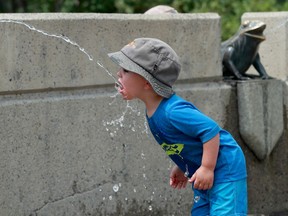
(260, 105)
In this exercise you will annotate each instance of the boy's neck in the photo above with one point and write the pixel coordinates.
(152, 104)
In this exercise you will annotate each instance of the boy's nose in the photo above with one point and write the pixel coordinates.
(119, 73)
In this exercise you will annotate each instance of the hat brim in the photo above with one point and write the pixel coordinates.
(123, 61)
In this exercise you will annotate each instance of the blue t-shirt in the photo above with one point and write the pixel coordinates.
(181, 130)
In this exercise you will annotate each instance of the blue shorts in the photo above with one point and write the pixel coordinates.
(224, 199)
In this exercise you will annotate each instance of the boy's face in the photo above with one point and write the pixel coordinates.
(132, 84)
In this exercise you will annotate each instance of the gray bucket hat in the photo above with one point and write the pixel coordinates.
(154, 60)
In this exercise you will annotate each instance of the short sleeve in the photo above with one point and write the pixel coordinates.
(190, 121)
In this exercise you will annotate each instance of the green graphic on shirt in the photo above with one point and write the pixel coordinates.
(172, 149)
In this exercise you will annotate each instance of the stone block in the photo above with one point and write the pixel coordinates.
(31, 60)
(285, 96)
(62, 151)
(273, 51)
(68, 152)
(70, 146)
(260, 108)
(215, 99)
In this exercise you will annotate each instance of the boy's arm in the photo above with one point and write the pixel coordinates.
(204, 176)
(210, 153)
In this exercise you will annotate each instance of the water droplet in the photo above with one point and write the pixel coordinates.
(134, 190)
(110, 197)
(115, 188)
(196, 199)
(150, 208)
(186, 174)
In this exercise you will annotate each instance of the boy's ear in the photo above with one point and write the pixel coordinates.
(147, 85)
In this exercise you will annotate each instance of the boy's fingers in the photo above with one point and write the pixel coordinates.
(199, 184)
(172, 182)
(181, 185)
(184, 185)
(196, 185)
(192, 179)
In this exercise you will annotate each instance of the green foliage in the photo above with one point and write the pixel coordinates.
(230, 11)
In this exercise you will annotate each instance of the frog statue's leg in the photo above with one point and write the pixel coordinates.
(260, 68)
(230, 66)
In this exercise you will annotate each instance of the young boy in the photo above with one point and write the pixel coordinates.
(205, 155)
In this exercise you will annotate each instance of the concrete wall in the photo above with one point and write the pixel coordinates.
(69, 146)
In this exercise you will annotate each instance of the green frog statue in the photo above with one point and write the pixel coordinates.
(241, 51)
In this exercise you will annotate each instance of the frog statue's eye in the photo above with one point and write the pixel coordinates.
(245, 23)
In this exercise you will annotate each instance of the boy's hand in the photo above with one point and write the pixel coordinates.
(177, 178)
(203, 178)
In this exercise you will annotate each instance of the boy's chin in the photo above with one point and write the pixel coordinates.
(124, 94)
(126, 97)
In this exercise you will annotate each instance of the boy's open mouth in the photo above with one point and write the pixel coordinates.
(118, 85)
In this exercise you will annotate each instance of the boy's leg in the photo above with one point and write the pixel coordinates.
(229, 199)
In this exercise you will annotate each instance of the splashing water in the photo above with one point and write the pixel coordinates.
(117, 84)
(143, 156)
(196, 199)
(119, 122)
(116, 188)
(187, 171)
